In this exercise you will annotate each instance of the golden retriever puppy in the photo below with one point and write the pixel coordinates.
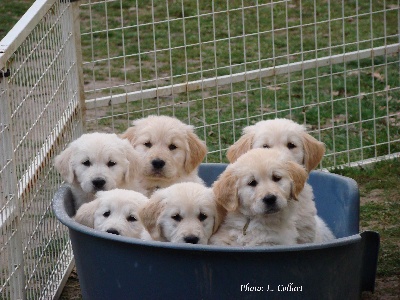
(115, 211)
(283, 134)
(170, 150)
(291, 138)
(261, 192)
(98, 162)
(182, 213)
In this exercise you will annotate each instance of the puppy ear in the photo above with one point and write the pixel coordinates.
(134, 162)
(241, 146)
(85, 213)
(225, 191)
(197, 151)
(62, 163)
(219, 217)
(129, 134)
(149, 215)
(314, 150)
(298, 175)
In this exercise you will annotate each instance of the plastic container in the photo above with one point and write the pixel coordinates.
(115, 267)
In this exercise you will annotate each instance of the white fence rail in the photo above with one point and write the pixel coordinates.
(218, 65)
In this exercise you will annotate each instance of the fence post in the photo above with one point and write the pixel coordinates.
(76, 32)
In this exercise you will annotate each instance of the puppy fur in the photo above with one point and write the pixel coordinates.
(261, 192)
(292, 139)
(182, 213)
(96, 162)
(283, 134)
(170, 150)
(115, 211)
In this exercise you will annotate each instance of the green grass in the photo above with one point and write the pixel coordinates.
(10, 13)
(381, 210)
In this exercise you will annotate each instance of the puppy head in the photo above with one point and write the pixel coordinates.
(182, 213)
(260, 182)
(282, 134)
(115, 211)
(98, 161)
(169, 147)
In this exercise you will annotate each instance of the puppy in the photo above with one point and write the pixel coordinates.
(98, 162)
(282, 134)
(290, 138)
(115, 211)
(261, 192)
(170, 150)
(182, 213)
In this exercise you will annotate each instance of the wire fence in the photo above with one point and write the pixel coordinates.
(222, 65)
(40, 114)
(219, 65)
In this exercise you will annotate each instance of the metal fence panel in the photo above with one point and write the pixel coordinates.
(40, 114)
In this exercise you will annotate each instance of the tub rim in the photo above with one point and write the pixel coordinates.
(61, 214)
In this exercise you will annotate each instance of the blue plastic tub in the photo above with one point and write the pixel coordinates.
(115, 267)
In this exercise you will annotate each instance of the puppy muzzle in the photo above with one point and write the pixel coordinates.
(158, 164)
(98, 184)
(191, 239)
(270, 204)
(113, 231)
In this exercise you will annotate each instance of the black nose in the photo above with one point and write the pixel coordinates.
(158, 163)
(191, 239)
(98, 183)
(113, 231)
(269, 199)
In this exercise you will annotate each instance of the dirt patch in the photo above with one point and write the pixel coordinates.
(372, 196)
(387, 288)
(72, 289)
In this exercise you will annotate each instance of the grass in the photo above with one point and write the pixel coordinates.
(10, 13)
(381, 209)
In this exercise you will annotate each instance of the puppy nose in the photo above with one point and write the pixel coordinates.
(158, 163)
(191, 239)
(113, 231)
(98, 183)
(269, 199)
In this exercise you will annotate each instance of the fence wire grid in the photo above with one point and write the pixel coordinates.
(68, 68)
(40, 114)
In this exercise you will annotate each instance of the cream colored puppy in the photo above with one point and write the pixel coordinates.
(282, 134)
(170, 150)
(261, 192)
(98, 162)
(182, 213)
(290, 138)
(115, 211)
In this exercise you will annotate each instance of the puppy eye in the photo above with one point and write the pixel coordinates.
(202, 217)
(291, 145)
(172, 147)
(87, 163)
(111, 163)
(177, 217)
(253, 183)
(107, 214)
(131, 219)
(276, 178)
(148, 144)
(265, 146)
